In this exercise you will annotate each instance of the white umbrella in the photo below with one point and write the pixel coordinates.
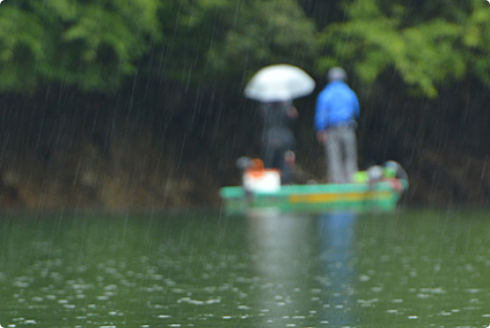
(279, 83)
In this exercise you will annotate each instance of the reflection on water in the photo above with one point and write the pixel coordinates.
(413, 268)
(281, 248)
(337, 238)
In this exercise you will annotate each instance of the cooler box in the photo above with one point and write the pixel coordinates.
(267, 180)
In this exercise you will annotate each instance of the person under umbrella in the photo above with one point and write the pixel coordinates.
(278, 138)
(274, 87)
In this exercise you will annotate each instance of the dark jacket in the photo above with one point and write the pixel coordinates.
(277, 124)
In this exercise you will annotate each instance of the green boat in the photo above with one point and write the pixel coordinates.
(380, 196)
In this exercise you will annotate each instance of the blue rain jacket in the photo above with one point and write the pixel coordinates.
(337, 104)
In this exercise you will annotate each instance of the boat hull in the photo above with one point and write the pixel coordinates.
(382, 196)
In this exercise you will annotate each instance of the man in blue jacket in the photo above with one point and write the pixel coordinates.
(337, 108)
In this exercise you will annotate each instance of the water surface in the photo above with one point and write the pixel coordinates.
(402, 269)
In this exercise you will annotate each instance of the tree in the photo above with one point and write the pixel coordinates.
(92, 44)
(425, 45)
(376, 38)
(212, 42)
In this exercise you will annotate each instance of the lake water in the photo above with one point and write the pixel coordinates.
(404, 269)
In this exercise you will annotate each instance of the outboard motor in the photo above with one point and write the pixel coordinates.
(395, 170)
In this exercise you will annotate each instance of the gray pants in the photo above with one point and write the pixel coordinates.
(341, 151)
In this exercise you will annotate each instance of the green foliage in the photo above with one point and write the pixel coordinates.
(476, 40)
(107, 47)
(265, 32)
(424, 54)
(97, 44)
(93, 44)
(21, 48)
(213, 42)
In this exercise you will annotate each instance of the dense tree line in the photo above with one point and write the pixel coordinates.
(97, 45)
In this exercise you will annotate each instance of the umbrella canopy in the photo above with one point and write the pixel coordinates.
(279, 83)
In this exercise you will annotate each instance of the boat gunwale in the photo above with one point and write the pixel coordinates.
(230, 192)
